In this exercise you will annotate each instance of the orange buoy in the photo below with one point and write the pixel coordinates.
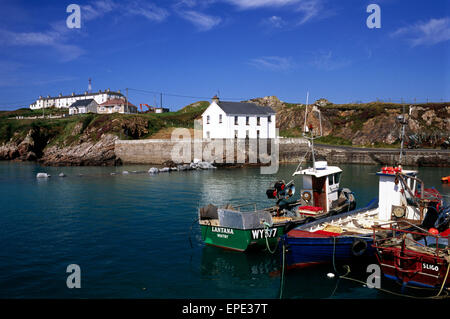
(433, 231)
(445, 179)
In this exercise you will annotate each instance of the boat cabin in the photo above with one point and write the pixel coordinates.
(320, 185)
(396, 193)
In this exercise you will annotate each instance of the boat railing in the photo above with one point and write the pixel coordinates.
(245, 205)
(401, 234)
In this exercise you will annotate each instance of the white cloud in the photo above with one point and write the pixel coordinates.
(425, 33)
(275, 21)
(328, 62)
(148, 10)
(273, 63)
(309, 9)
(53, 39)
(202, 21)
(252, 4)
(58, 36)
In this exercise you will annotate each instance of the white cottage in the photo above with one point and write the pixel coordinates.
(238, 120)
(83, 106)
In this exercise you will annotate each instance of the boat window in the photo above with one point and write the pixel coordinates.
(331, 180)
(337, 177)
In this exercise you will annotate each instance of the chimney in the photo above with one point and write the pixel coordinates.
(107, 90)
(118, 91)
(40, 97)
(73, 93)
(60, 94)
(215, 99)
(86, 92)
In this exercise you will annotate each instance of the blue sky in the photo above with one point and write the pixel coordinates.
(193, 49)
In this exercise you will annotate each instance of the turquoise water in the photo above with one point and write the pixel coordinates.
(133, 235)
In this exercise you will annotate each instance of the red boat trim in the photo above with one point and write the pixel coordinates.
(295, 233)
(307, 264)
(419, 272)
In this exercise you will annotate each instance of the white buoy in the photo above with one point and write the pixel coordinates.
(42, 175)
(330, 275)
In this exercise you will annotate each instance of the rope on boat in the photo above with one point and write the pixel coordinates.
(445, 279)
(190, 232)
(283, 268)
(347, 267)
(266, 228)
(438, 296)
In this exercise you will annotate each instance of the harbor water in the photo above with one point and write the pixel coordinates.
(134, 235)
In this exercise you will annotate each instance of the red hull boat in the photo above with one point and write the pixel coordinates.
(415, 258)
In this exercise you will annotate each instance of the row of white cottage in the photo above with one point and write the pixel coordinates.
(99, 102)
(238, 120)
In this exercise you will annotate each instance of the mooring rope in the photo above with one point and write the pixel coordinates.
(399, 294)
(282, 270)
(266, 229)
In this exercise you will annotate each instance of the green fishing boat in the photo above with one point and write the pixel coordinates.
(240, 228)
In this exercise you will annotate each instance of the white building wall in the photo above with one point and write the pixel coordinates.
(214, 128)
(228, 128)
(65, 102)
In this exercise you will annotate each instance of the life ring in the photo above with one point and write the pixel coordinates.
(306, 196)
(359, 247)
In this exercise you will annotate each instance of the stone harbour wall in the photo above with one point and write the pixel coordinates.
(290, 150)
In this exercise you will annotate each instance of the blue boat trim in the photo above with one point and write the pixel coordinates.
(409, 283)
(303, 251)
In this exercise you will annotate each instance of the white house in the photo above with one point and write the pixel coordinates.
(61, 101)
(117, 106)
(83, 106)
(238, 120)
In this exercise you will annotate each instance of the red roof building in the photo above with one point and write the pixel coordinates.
(117, 106)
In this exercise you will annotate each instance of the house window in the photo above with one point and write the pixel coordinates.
(235, 120)
(258, 121)
(235, 133)
(257, 134)
(269, 119)
(208, 135)
(207, 119)
(247, 120)
(247, 134)
(220, 118)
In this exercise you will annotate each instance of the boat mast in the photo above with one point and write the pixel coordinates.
(402, 120)
(311, 132)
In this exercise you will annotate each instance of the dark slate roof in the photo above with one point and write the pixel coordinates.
(82, 103)
(242, 108)
(79, 95)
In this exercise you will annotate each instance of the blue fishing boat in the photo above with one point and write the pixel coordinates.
(402, 197)
(308, 248)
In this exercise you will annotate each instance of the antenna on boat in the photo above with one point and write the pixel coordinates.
(403, 122)
(308, 132)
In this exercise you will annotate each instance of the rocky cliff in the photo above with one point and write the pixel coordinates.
(371, 124)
